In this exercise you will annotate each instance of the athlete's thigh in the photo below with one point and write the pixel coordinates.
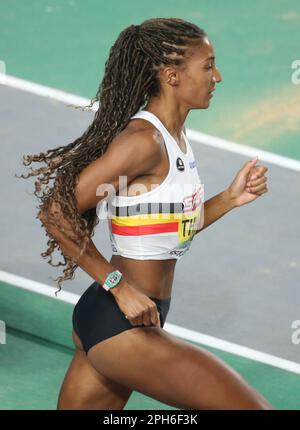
(175, 372)
(86, 388)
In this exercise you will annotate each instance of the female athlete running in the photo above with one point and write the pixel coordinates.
(155, 74)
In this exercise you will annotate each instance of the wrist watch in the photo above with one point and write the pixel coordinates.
(112, 279)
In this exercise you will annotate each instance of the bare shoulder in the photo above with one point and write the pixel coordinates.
(132, 153)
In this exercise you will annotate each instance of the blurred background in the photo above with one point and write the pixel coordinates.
(242, 302)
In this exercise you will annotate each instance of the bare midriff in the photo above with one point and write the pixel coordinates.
(152, 277)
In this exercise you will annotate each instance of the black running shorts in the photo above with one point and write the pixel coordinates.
(97, 316)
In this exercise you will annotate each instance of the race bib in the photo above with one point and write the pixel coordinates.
(192, 216)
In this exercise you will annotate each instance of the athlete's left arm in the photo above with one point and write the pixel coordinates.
(249, 183)
(215, 208)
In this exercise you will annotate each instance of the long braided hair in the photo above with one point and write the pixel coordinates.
(130, 79)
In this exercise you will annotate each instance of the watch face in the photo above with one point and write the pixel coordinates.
(113, 279)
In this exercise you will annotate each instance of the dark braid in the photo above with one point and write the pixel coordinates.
(130, 79)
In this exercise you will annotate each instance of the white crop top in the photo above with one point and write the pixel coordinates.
(159, 224)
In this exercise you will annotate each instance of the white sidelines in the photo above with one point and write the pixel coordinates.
(222, 144)
(187, 334)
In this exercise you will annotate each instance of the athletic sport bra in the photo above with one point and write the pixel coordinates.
(159, 224)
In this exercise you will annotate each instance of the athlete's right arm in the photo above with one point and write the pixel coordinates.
(131, 156)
